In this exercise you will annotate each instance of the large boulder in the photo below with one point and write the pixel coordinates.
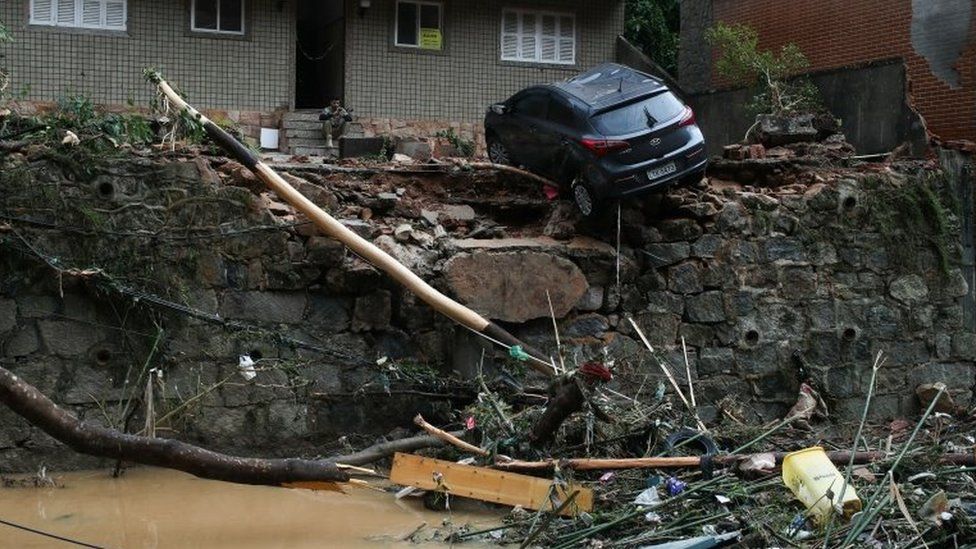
(511, 286)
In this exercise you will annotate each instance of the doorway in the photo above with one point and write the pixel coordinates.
(320, 53)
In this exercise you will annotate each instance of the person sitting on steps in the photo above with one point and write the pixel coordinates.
(334, 118)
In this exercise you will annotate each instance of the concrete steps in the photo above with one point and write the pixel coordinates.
(301, 133)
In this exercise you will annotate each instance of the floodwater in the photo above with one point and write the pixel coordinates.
(150, 508)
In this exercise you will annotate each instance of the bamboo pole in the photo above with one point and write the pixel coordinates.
(359, 245)
(591, 464)
(448, 437)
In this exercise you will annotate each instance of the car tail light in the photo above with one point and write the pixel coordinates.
(603, 147)
(687, 118)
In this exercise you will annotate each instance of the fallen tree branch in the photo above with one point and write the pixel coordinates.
(94, 440)
(448, 437)
(387, 449)
(503, 168)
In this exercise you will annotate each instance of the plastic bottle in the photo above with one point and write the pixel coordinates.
(810, 474)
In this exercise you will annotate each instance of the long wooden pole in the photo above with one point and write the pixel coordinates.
(590, 464)
(362, 247)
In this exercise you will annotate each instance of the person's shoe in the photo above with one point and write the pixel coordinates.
(328, 141)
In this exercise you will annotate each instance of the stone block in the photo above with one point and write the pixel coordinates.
(674, 230)
(354, 147)
(685, 278)
(512, 286)
(705, 307)
(418, 149)
(329, 314)
(659, 328)
(37, 306)
(663, 254)
(732, 218)
(953, 374)
(783, 248)
(592, 299)
(590, 325)
(324, 250)
(22, 342)
(68, 339)
(8, 315)
(715, 360)
(372, 311)
(707, 246)
(909, 289)
(665, 302)
(278, 307)
(964, 345)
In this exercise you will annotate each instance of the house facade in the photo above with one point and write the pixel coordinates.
(935, 40)
(404, 66)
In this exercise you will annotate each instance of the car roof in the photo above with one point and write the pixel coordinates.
(609, 84)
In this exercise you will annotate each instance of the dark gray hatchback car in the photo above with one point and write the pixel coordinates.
(607, 133)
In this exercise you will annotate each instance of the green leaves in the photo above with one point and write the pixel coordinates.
(742, 63)
(652, 26)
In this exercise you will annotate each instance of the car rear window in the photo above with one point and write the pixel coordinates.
(638, 116)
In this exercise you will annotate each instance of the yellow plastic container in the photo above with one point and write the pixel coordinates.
(809, 474)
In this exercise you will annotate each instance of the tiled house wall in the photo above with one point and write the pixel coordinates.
(245, 77)
(842, 33)
(404, 91)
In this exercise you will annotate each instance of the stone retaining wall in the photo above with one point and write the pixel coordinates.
(767, 287)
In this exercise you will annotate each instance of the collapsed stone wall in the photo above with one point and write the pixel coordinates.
(172, 268)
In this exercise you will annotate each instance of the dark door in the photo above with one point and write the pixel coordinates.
(555, 134)
(528, 115)
(319, 53)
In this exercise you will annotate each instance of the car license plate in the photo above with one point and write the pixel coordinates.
(661, 171)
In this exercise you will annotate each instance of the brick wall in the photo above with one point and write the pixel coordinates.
(459, 83)
(254, 73)
(838, 33)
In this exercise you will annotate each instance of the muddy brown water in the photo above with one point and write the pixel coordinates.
(149, 508)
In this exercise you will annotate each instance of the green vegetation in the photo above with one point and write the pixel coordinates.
(779, 90)
(918, 214)
(652, 26)
(4, 37)
(465, 147)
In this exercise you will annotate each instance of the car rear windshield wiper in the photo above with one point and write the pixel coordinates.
(651, 121)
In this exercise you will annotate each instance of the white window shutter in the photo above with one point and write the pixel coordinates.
(548, 41)
(567, 39)
(91, 13)
(42, 11)
(66, 12)
(510, 22)
(509, 46)
(115, 14)
(528, 37)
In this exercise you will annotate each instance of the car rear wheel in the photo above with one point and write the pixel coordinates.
(583, 196)
(497, 152)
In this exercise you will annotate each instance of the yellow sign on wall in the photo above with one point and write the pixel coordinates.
(430, 39)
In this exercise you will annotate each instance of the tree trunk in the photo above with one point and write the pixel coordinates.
(94, 440)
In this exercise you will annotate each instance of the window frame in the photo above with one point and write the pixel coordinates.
(195, 29)
(419, 4)
(539, 14)
(78, 23)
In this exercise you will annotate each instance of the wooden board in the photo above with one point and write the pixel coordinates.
(487, 484)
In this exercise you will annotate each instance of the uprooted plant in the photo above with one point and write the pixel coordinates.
(742, 63)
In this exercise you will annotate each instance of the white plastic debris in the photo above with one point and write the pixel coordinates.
(648, 498)
(70, 138)
(722, 499)
(246, 366)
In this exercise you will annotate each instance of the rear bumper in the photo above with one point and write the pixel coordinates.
(635, 181)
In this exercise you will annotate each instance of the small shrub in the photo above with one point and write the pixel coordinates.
(465, 147)
(774, 74)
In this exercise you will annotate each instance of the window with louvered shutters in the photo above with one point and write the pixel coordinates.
(86, 14)
(538, 37)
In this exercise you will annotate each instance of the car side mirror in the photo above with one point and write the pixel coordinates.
(499, 108)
